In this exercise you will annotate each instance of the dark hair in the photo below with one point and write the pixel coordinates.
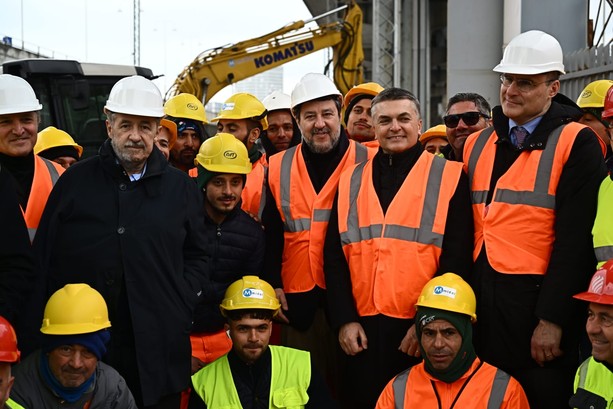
(481, 103)
(395, 94)
(254, 313)
(333, 97)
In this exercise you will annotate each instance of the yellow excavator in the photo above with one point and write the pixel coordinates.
(214, 69)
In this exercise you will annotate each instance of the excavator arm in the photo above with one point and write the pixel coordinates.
(214, 69)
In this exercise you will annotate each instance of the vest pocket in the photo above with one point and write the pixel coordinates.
(290, 398)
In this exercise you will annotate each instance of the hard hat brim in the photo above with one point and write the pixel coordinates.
(595, 298)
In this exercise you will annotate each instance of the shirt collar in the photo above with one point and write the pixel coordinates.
(530, 125)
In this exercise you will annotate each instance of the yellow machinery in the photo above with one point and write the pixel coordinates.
(214, 69)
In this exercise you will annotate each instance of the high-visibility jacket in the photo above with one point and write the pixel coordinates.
(305, 213)
(593, 383)
(254, 192)
(392, 256)
(483, 386)
(11, 404)
(517, 226)
(290, 379)
(602, 231)
(46, 173)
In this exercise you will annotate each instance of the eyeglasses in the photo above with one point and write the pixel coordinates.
(469, 118)
(522, 84)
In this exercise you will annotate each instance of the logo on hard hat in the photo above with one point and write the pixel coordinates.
(227, 106)
(253, 293)
(192, 106)
(229, 154)
(445, 291)
(586, 94)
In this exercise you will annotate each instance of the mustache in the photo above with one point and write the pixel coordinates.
(322, 131)
(134, 145)
(229, 197)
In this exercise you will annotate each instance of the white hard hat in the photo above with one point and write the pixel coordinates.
(530, 53)
(17, 96)
(136, 95)
(313, 86)
(277, 100)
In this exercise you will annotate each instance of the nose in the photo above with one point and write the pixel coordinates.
(226, 188)
(395, 124)
(76, 360)
(592, 326)
(439, 341)
(319, 122)
(252, 335)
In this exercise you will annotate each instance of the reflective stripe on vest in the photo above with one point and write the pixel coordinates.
(376, 244)
(521, 208)
(11, 404)
(400, 388)
(39, 193)
(499, 388)
(583, 373)
(539, 197)
(602, 231)
(254, 192)
(319, 215)
(289, 381)
(423, 234)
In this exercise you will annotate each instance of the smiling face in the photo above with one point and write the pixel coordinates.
(599, 328)
(72, 365)
(320, 124)
(280, 129)
(524, 105)
(18, 133)
(441, 342)
(222, 194)
(359, 121)
(250, 337)
(457, 136)
(397, 125)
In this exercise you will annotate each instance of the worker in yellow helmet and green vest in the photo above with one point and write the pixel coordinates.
(253, 370)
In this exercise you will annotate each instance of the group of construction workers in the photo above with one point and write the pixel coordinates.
(320, 250)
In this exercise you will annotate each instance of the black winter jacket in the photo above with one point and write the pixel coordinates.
(236, 247)
(142, 246)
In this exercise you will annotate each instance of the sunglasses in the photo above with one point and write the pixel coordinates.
(469, 118)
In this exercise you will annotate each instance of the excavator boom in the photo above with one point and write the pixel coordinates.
(219, 67)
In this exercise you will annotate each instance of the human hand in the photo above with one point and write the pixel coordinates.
(409, 344)
(352, 338)
(545, 343)
(281, 297)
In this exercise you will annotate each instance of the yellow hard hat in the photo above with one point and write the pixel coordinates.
(438, 131)
(75, 309)
(449, 292)
(250, 292)
(51, 137)
(223, 153)
(368, 88)
(593, 94)
(243, 106)
(185, 106)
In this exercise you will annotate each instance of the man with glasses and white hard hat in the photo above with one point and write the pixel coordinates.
(131, 226)
(534, 178)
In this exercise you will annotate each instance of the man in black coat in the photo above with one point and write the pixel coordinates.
(131, 226)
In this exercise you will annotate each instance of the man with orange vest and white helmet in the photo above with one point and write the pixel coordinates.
(401, 217)
(9, 355)
(34, 176)
(302, 181)
(244, 116)
(451, 374)
(534, 178)
(358, 117)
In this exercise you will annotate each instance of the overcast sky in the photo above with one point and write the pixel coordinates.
(173, 32)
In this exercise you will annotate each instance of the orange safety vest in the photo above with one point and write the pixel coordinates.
(489, 387)
(392, 256)
(254, 192)
(46, 173)
(517, 227)
(305, 213)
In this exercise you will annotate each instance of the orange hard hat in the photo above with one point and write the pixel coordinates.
(8, 342)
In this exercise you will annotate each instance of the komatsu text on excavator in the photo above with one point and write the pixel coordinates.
(214, 69)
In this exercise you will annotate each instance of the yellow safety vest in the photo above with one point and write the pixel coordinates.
(290, 379)
(603, 224)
